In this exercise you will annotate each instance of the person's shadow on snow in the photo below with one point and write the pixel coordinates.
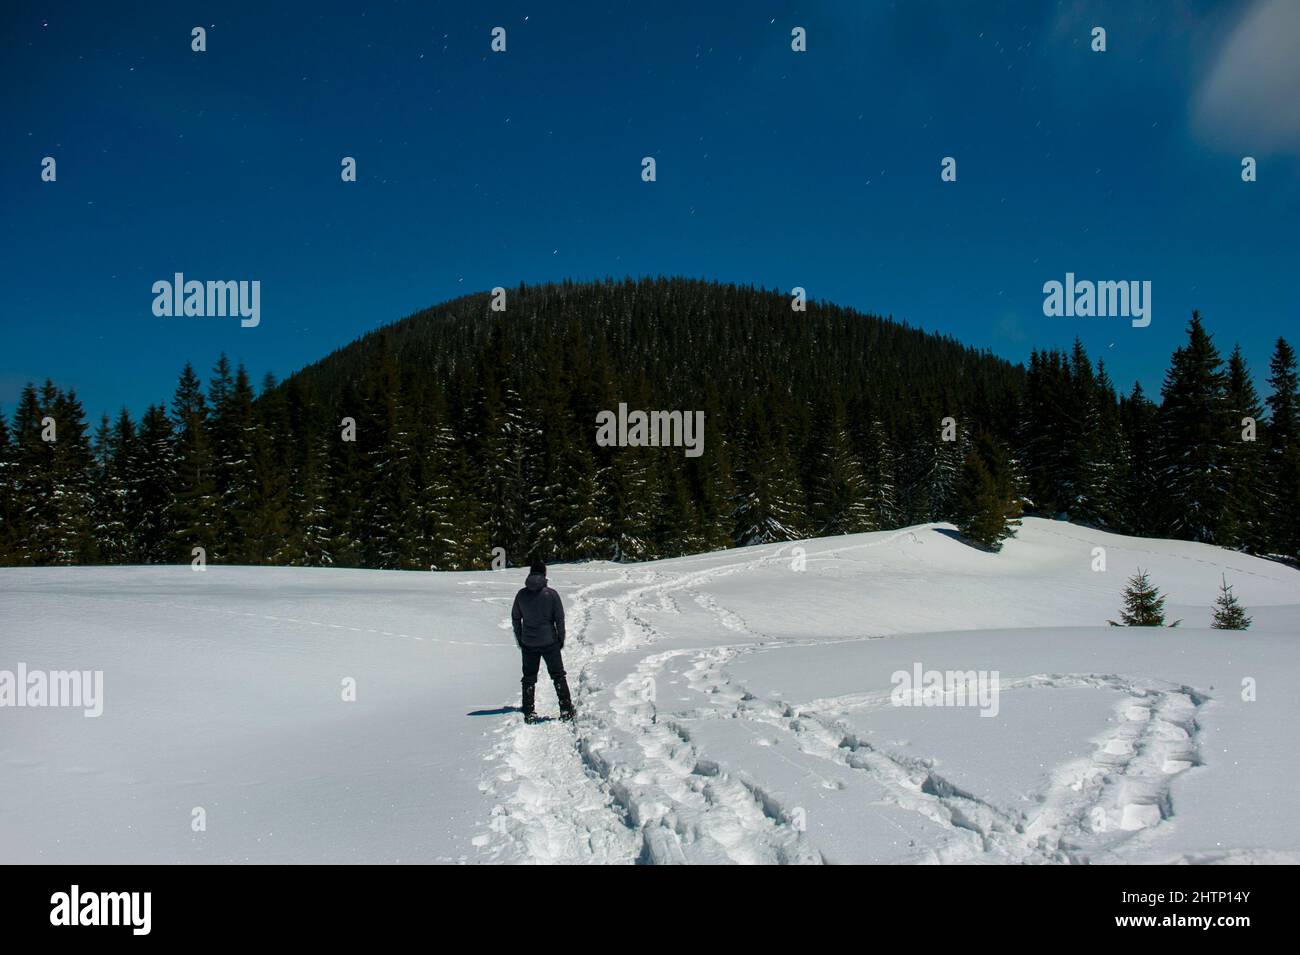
(502, 711)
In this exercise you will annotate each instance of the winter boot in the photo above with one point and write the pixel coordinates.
(566, 702)
(530, 715)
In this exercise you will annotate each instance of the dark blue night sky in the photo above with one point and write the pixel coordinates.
(817, 169)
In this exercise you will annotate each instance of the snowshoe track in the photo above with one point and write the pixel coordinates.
(631, 785)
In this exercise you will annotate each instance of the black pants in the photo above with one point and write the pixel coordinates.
(533, 658)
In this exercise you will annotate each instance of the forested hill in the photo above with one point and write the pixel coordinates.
(695, 343)
(462, 430)
(786, 395)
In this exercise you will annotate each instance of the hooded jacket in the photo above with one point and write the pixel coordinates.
(537, 615)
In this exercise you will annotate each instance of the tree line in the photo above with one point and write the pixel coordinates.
(460, 429)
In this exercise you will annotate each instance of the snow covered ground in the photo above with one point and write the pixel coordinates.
(733, 709)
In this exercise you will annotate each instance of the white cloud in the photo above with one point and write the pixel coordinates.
(1250, 99)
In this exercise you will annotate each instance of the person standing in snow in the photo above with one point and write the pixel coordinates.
(538, 618)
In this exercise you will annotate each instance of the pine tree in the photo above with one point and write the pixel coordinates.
(1229, 614)
(264, 523)
(1241, 524)
(123, 457)
(151, 489)
(385, 439)
(1085, 492)
(587, 535)
(569, 507)
(15, 531)
(1107, 505)
(1143, 604)
(52, 468)
(314, 540)
(235, 433)
(441, 509)
(221, 387)
(571, 526)
(567, 524)
(470, 525)
(34, 495)
(932, 468)
(840, 500)
(73, 464)
(916, 461)
(1192, 473)
(635, 493)
(1283, 458)
(346, 479)
(1047, 420)
(636, 498)
(304, 464)
(1138, 425)
(880, 474)
(715, 490)
(678, 528)
(109, 490)
(194, 506)
(947, 473)
(501, 462)
(8, 504)
(230, 416)
(768, 500)
(987, 505)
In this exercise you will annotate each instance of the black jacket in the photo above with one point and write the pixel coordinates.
(537, 615)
